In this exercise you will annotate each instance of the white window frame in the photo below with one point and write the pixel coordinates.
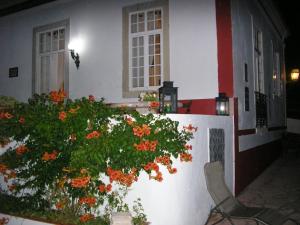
(146, 35)
(36, 56)
(258, 60)
(127, 88)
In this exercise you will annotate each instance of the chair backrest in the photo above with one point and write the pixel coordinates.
(217, 188)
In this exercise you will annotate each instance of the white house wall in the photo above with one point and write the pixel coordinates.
(193, 47)
(245, 13)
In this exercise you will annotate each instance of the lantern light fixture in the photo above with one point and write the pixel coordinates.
(295, 74)
(222, 105)
(76, 46)
(168, 98)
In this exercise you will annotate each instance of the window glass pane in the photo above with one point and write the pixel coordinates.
(151, 60)
(150, 15)
(157, 59)
(55, 40)
(141, 61)
(141, 53)
(134, 52)
(151, 25)
(151, 81)
(141, 71)
(141, 27)
(134, 72)
(157, 14)
(61, 44)
(158, 24)
(157, 49)
(62, 34)
(134, 62)
(157, 38)
(141, 83)
(141, 17)
(141, 41)
(151, 50)
(48, 42)
(134, 82)
(42, 42)
(134, 42)
(151, 70)
(151, 39)
(157, 81)
(133, 18)
(133, 28)
(157, 70)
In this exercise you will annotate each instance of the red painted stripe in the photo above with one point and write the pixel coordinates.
(199, 106)
(224, 43)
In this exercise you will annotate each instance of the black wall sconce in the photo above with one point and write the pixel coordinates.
(167, 98)
(75, 57)
(222, 105)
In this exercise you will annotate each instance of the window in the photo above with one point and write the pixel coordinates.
(50, 58)
(145, 45)
(276, 74)
(258, 61)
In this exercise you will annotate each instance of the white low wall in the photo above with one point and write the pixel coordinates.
(12, 220)
(182, 199)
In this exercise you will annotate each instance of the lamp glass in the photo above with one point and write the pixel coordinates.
(295, 74)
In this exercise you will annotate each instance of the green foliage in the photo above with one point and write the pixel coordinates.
(75, 154)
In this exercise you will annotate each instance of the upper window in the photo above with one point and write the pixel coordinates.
(145, 47)
(50, 58)
(258, 61)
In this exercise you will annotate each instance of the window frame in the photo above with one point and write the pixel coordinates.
(127, 90)
(35, 50)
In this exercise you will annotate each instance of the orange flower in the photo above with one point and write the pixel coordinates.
(21, 150)
(171, 170)
(165, 160)
(141, 131)
(129, 121)
(3, 168)
(188, 147)
(102, 188)
(91, 98)
(49, 156)
(154, 104)
(57, 97)
(119, 176)
(74, 110)
(185, 157)
(4, 221)
(146, 146)
(60, 205)
(87, 200)
(86, 217)
(190, 128)
(80, 182)
(5, 115)
(22, 120)
(151, 166)
(62, 116)
(94, 134)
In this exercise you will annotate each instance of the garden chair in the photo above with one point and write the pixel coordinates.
(228, 207)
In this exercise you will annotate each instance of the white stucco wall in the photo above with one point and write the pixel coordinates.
(245, 15)
(193, 49)
(182, 198)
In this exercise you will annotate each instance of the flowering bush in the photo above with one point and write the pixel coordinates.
(75, 154)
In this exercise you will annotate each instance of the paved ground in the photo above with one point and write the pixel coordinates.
(278, 188)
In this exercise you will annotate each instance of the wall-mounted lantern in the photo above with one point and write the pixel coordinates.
(75, 57)
(168, 98)
(75, 46)
(222, 105)
(295, 74)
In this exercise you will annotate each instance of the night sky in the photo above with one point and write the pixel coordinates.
(290, 12)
